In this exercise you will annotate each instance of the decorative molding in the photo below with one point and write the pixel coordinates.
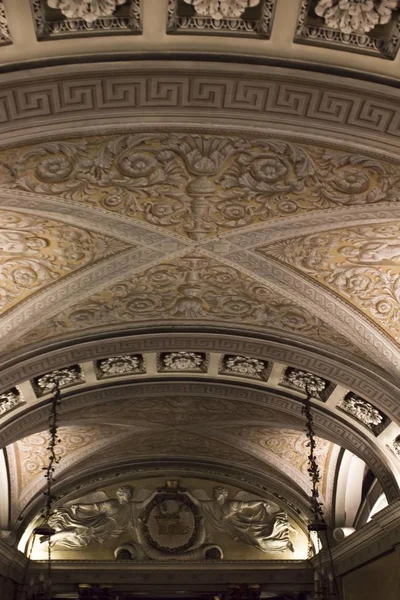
(68, 18)
(268, 97)
(221, 17)
(351, 26)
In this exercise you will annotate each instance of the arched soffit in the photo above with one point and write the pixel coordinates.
(251, 403)
(279, 453)
(164, 210)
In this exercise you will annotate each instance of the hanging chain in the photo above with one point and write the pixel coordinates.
(313, 468)
(53, 458)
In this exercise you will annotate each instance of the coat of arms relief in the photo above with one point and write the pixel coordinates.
(173, 522)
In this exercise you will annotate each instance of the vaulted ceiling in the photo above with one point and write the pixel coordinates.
(186, 249)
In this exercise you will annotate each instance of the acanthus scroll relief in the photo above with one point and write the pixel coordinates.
(35, 252)
(200, 185)
(173, 522)
(361, 263)
(191, 288)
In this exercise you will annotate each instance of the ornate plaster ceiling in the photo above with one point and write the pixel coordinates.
(187, 248)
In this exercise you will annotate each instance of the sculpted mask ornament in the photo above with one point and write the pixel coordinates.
(120, 365)
(362, 410)
(355, 16)
(221, 9)
(88, 10)
(9, 400)
(64, 377)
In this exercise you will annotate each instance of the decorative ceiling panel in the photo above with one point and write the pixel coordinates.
(36, 252)
(366, 26)
(200, 185)
(361, 264)
(191, 289)
(221, 17)
(72, 18)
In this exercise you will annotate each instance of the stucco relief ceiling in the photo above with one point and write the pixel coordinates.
(362, 264)
(194, 288)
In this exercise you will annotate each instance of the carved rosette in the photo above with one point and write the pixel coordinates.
(63, 377)
(10, 400)
(355, 16)
(120, 365)
(182, 361)
(226, 17)
(305, 382)
(55, 18)
(245, 366)
(363, 412)
(351, 25)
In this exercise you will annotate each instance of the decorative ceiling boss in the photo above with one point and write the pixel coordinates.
(88, 10)
(355, 16)
(221, 9)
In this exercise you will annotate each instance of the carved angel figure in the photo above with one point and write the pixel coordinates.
(255, 522)
(355, 16)
(221, 9)
(88, 10)
(97, 521)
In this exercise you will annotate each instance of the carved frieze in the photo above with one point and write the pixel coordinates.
(305, 382)
(44, 384)
(221, 17)
(5, 37)
(120, 365)
(245, 366)
(364, 412)
(182, 361)
(66, 18)
(200, 185)
(9, 400)
(363, 26)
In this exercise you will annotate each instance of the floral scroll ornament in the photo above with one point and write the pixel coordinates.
(396, 446)
(355, 16)
(221, 9)
(362, 410)
(306, 382)
(120, 365)
(182, 361)
(9, 400)
(245, 365)
(88, 10)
